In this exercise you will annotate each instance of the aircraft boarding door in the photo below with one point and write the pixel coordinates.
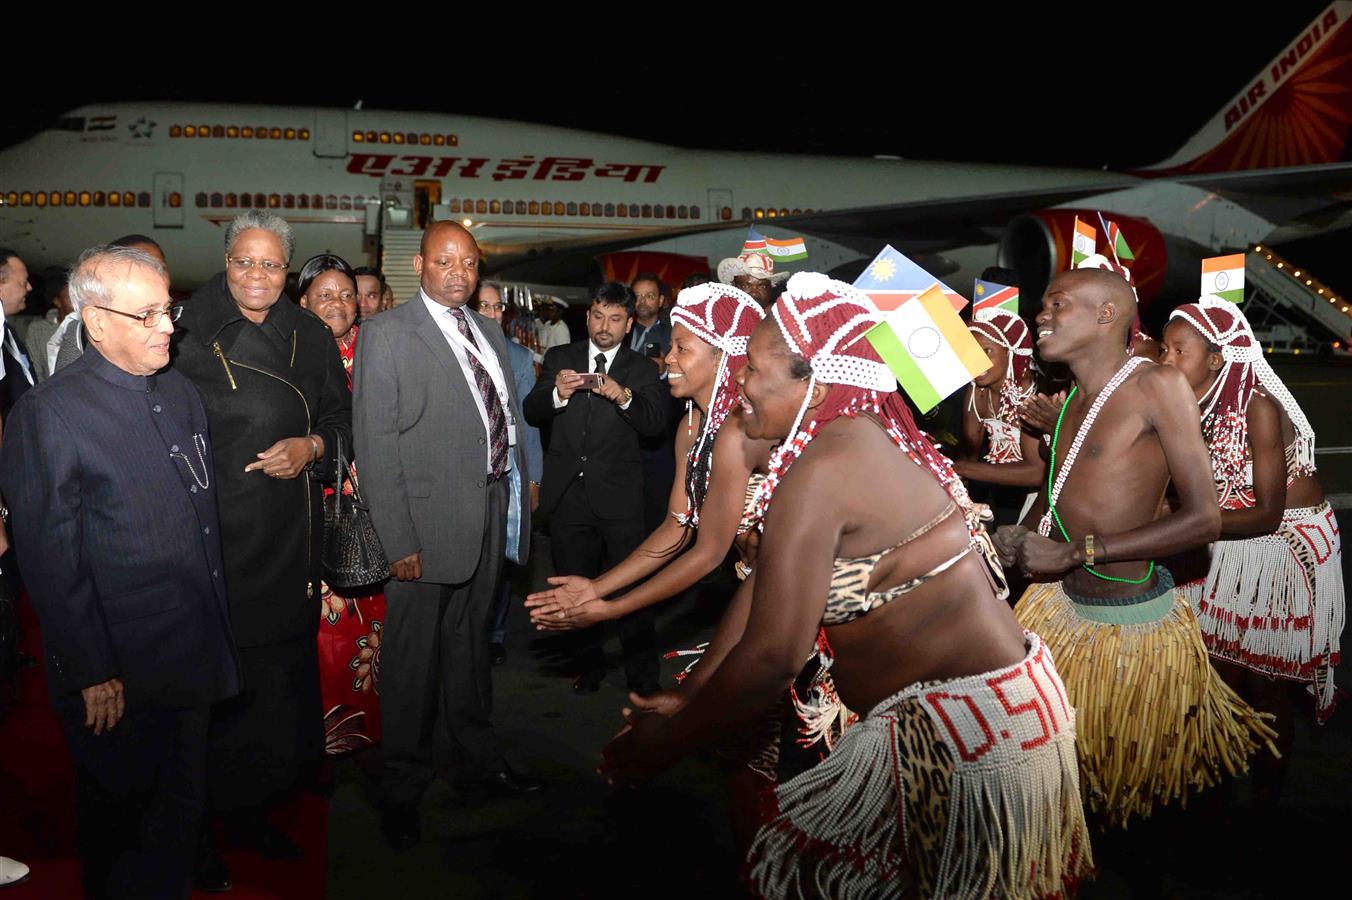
(720, 206)
(168, 200)
(330, 133)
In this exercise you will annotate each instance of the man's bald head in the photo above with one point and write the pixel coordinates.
(438, 230)
(1082, 309)
(448, 264)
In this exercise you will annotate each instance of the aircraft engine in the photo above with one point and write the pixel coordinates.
(1037, 246)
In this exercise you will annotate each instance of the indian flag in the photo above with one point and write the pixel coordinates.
(786, 251)
(928, 348)
(1083, 242)
(1223, 276)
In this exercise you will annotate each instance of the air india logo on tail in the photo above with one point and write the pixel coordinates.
(1296, 112)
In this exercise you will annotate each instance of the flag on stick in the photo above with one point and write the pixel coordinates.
(1084, 239)
(987, 297)
(928, 348)
(892, 279)
(788, 250)
(1223, 276)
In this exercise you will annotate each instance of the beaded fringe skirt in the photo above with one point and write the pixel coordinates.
(1156, 722)
(960, 788)
(1275, 603)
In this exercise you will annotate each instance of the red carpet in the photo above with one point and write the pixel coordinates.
(37, 807)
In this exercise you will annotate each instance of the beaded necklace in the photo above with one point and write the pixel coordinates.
(1056, 480)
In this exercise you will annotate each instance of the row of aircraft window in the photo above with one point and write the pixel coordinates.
(262, 132)
(457, 206)
(411, 138)
(75, 198)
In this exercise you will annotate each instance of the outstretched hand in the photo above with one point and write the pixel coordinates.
(640, 752)
(568, 591)
(573, 618)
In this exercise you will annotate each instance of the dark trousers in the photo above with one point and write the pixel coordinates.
(436, 680)
(587, 545)
(141, 791)
(262, 739)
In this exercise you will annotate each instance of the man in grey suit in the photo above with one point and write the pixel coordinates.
(435, 411)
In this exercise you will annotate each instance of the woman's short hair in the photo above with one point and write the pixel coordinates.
(318, 265)
(261, 218)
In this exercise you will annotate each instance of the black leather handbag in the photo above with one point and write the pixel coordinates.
(353, 557)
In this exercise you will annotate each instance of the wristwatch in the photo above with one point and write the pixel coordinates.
(628, 395)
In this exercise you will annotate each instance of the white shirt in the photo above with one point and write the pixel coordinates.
(451, 332)
(592, 350)
(54, 343)
(552, 334)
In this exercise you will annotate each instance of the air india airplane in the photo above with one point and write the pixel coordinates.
(547, 203)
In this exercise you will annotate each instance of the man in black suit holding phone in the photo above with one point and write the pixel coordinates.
(600, 397)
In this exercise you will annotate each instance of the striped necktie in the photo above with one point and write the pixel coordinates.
(497, 416)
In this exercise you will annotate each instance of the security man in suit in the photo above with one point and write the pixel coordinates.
(593, 484)
(107, 468)
(435, 413)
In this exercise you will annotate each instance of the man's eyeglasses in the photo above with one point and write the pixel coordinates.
(151, 317)
(244, 264)
(492, 307)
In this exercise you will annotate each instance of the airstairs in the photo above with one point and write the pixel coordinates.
(1289, 308)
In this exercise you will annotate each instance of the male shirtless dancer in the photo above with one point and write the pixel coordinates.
(1154, 720)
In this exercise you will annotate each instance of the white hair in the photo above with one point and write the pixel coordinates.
(259, 218)
(89, 284)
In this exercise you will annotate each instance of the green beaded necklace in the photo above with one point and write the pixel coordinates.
(1051, 475)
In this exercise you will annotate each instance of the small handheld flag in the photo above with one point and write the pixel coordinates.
(1083, 239)
(892, 279)
(1116, 240)
(788, 250)
(987, 297)
(928, 348)
(1223, 276)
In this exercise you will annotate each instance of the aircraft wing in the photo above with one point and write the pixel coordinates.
(1289, 195)
(921, 226)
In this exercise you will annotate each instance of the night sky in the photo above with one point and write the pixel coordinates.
(1117, 85)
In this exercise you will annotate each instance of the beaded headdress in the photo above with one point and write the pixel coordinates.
(723, 317)
(823, 321)
(1225, 406)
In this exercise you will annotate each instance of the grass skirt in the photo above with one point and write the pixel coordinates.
(960, 788)
(1274, 603)
(1155, 720)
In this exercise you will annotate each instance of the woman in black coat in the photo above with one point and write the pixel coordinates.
(277, 400)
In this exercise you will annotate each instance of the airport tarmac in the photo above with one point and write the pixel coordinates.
(581, 839)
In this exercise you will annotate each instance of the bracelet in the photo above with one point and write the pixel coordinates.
(1089, 550)
(314, 447)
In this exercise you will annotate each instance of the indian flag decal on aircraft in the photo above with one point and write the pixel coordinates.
(1082, 242)
(1223, 276)
(928, 348)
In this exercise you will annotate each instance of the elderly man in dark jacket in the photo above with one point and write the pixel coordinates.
(277, 400)
(107, 468)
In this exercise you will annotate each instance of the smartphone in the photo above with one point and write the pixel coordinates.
(590, 381)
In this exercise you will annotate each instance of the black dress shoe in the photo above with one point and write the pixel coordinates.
(401, 826)
(588, 682)
(511, 783)
(497, 652)
(209, 873)
(258, 834)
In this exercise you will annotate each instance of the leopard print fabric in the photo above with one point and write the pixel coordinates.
(926, 766)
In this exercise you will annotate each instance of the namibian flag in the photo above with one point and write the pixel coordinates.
(928, 348)
(788, 250)
(988, 296)
(892, 279)
(1115, 240)
(1083, 241)
(1223, 276)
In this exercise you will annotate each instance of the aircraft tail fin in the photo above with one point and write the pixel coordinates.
(1296, 112)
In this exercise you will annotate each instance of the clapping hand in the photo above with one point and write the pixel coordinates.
(1039, 412)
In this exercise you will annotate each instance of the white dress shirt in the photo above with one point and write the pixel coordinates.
(451, 332)
(592, 350)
